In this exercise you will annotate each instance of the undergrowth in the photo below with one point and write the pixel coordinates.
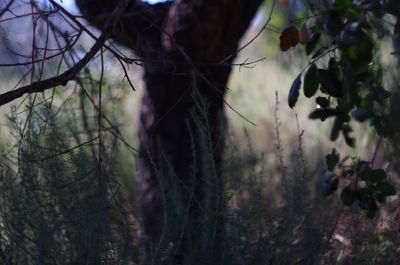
(58, 206)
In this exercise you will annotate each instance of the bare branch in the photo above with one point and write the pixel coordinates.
(70, 74)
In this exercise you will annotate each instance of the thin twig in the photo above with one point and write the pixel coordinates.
(70, 74)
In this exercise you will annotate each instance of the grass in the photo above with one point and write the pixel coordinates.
(275, 211)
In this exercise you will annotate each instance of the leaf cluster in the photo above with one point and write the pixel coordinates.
(370, 187)
(345, 77)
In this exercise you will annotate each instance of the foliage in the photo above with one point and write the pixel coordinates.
(299, 229)
(55, 207)
(342, 43)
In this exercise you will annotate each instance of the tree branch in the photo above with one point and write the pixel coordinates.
(137, 28)
(41, 86)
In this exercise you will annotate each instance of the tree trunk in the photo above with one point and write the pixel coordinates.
(188, 47)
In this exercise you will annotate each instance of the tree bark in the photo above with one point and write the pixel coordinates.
(188, 47)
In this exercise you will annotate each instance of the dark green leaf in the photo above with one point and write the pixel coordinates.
(333, 65)
(342, 5)
(347, 172)
(376, 175)
(359, 194)
(323, 114)
(311, 82)
(368, 204)
(380, 94)
(294, 92)
(332, 159)
(336, 128)
(348, 6)
(371, 175)
(333, 24)
(330, 82)
(379, 76)
(386, 188)
(350, 141)
(347, 196)
(353, 95)
(322, 102)
(359, 53)
(363, 170)
(330, 185)
(312, 43)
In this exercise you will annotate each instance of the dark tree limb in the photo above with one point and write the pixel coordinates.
(70, 74)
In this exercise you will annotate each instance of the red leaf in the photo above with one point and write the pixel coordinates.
(290, 37)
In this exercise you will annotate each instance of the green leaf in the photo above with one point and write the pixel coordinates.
(377, 175)
(367, 102)
(372, 175)
(323, 114)
(311, 82)
(386, 188)
(332, 159)
(310, 46)
(336, 128)
(330, 82)
(363, 170)
(379, 76)
(343, 4)
(294, 92)
(347, 196)
(359, 53)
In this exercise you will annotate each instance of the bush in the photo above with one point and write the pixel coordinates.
(56, 207)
